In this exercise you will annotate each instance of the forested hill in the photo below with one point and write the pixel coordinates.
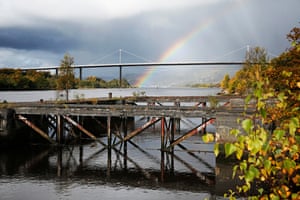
(17, 79)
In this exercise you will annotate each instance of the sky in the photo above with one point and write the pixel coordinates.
(35, 33)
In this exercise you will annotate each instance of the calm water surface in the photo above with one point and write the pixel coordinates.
(82, 172)
(13, 96)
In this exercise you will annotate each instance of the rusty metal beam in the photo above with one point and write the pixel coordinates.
(35, 128)
(83, 130)
(191, 133)
(142, 128)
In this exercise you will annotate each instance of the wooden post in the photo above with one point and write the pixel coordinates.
(108, 146)
(124, 121)
(162, 167)
(162, 133)
(173, 131)
(80, 154)
(177, 104)
(59, 129)
(203, 128)
(59, 162)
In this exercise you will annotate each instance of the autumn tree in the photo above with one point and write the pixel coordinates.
(268, 145)
(225, 82)
(289, 62)
(66, 78)
(256, 61)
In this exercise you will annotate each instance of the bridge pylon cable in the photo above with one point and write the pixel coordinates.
(135, 55)
(104, 57)
(232, 52)
(119, 52)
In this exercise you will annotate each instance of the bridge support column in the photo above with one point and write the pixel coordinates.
(120, 76)
(80, 73)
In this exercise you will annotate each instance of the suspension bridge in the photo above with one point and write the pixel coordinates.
(145, 63)
(111, 122)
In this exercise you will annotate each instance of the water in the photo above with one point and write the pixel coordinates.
(82, 172)
(24, 96)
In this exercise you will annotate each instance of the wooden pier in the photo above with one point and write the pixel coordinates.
(57, 121)
(111, 123)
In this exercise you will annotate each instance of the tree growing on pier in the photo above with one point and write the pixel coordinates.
(66, 78)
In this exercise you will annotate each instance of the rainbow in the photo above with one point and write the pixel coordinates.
(201, 27)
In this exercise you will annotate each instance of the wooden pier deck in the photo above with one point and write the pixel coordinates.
(83, 114)
(155, 106)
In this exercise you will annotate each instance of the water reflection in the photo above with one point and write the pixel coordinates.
(93, 170)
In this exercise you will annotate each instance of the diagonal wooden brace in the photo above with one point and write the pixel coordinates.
(35, 128)
(191, 133)
(83, 130)
(142, 128)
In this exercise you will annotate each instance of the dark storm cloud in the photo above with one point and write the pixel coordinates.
(36, 39)
(31, 37)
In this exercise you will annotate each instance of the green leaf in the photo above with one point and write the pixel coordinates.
(234, 170)
(216, 149)
(256, 146)
(286, 73)
(239, 153)
(247, 125)
(267, 164)
(294, 124)
(229, 149)
(234, 132)
(243, 165)
(287, 164)
(260, 190)
(252, 173)
(263, 112)
(258, 93)
(248, 99)
(278, 134)
(297, 137)
(281, 97)
(245, 188)
(208, 138)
